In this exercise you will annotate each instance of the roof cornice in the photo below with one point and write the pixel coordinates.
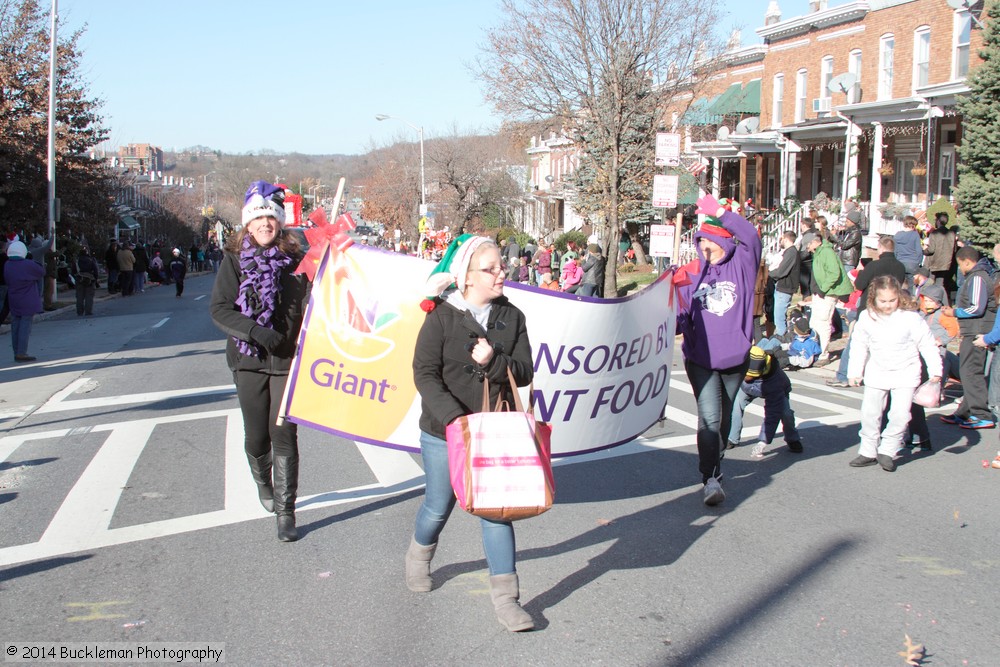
(852, 11)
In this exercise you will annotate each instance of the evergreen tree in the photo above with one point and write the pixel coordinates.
(978, 189)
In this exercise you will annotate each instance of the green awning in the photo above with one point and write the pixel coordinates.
(696, 113)
(127, 223)
(737, 100)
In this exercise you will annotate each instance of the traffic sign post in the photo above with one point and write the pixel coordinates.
(668, 149)
(665, 190)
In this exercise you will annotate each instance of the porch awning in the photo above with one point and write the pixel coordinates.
(696, 113)
(127, 223)
(738, 99)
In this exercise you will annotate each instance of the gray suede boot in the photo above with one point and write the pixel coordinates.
(286, 486)
(505, 593)
(418, 566)
(260, 470)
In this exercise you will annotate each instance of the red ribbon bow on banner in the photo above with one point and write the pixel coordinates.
(322, 236)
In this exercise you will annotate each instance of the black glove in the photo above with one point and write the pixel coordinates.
(269, 339)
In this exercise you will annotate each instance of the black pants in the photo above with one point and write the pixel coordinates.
(85, 299)
(125, 282)
(805, 278)
(972, 371)
(180, 286)
(260, 397)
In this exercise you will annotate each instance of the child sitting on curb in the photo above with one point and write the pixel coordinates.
(765, 379)
(804, 347)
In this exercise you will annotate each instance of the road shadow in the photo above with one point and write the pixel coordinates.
(659, 535)
(40, 566)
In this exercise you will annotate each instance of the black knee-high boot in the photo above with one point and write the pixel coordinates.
(286, 485)
(260, 469)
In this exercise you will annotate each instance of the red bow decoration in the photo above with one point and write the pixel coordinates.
(683, 277)
(321, 236)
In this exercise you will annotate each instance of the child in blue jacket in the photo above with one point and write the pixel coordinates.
(804, 346)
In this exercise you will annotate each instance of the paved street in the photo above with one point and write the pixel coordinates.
(128, 515)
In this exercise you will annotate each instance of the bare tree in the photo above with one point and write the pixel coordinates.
(579, 62)
(472, 174)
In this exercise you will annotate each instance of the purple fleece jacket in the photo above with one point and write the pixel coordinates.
(715, 310)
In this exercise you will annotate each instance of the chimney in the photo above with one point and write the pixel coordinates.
(817, 6)
(773, 14)
(735, 38)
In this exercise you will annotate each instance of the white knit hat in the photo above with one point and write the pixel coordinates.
(17, 250)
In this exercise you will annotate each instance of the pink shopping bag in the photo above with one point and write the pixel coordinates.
(501, 462)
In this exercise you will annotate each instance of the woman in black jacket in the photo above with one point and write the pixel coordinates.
(472, 333)
(259, 303)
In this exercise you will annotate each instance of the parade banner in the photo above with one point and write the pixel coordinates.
(602, 366)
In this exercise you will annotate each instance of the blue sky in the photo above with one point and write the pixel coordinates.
(302, 76)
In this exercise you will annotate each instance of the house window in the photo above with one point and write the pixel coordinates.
(886, 48)
(801, 80)
(921, 57)
(907, 185)
(778, 100)
(854, 67)
(963, 35)
(825, 74)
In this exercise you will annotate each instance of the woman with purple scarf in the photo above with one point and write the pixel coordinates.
(259, 302)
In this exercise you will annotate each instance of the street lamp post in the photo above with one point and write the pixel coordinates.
(204, 191)
(420, 132)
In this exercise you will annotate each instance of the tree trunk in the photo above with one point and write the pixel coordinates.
(640, 255)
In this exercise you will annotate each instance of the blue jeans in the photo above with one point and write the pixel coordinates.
(20, 329)
(781, 303)
(776, 410)
(439, 501)
(715, 392)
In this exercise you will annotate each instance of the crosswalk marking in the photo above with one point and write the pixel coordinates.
(82, 521)
(90, 504)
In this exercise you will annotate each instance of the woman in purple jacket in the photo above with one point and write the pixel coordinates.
(715, 315)
(22, 276)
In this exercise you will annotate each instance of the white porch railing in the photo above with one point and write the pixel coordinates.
(772, 227)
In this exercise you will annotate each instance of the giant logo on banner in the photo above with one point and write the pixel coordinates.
(602, 367)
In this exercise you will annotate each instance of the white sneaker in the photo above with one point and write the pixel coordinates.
(758, 450)
(713, 492)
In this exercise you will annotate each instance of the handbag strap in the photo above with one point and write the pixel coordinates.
(518, 403)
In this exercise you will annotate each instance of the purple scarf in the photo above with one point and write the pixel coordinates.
(260, 273)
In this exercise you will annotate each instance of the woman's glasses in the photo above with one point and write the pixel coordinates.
(495, 270)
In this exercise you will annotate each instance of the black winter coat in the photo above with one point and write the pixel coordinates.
(287, 318)
(885, 265)
(449, 382)
(849, 246)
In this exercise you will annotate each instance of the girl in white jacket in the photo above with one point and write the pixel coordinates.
(888, 340)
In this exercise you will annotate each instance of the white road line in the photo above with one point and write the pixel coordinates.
(161, 323)
(240, 491)
(64, 393)
(391, 466)
(88, 507)
(149, 397)
(199, 298)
